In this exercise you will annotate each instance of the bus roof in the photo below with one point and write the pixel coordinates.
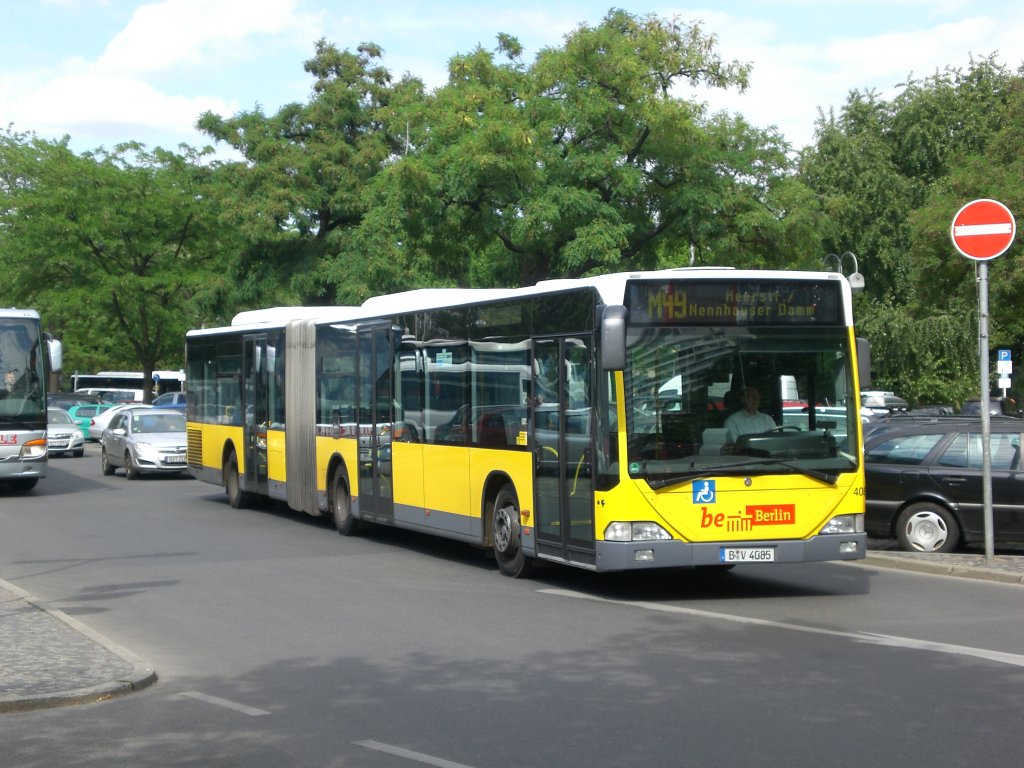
(279, 315)
(610, 287)
(19, 313)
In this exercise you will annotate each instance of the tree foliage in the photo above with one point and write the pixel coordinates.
(117, 249)
(891, 175)
(585, 160)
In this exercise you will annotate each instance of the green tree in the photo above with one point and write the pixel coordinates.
(119, 250)
(586, 160)
(302, 190)
(891, 175)
(589, 160)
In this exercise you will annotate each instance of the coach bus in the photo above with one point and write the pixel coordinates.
(127, 386)
(25, 353)
(579, 421)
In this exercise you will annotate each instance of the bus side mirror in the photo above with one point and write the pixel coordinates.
(613, 337)
(56, 351)
(863, 362)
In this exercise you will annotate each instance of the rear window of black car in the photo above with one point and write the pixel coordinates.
(904, 449)
(1004, 447)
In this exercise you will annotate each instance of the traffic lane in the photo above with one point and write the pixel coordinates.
(198, 534)
(561, 681)
(417, 642)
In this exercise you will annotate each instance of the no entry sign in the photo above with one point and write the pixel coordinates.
(983, 229)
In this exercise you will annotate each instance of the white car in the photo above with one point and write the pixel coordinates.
(62, 433)
(146, 440)
(100, 422)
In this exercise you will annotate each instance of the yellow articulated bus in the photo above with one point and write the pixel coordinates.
(682, 417)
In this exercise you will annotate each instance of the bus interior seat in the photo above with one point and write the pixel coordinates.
(712, 441)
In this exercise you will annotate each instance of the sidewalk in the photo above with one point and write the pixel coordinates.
(49, 659)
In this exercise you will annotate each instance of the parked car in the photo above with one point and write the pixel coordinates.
(101, 420)
(147, 440)
(173, 400)
(62, 433)
(879, 403)
(84, 414)
(997, 406)
(924, 482)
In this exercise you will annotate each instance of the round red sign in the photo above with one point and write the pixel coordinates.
(983, 229)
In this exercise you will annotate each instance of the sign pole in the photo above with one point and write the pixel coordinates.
(986, 420)
(981, 231)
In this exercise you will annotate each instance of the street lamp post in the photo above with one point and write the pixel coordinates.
(856, 278)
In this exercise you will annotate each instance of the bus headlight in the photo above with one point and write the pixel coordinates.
(844, 524)
(33, 449)
(642, 531)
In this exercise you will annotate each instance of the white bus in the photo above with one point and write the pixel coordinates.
(127, 386)
(23, 368)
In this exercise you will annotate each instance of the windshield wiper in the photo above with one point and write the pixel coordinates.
(674, 478)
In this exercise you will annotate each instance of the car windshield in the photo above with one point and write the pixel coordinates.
(738, 399)
(157, 422)
(58, 416)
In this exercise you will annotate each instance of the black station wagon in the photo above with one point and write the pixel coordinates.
(925, 481)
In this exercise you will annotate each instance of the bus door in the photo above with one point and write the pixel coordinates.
(255, 407)
(561, 436)
(375, 416)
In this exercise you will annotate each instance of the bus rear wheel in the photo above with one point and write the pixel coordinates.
(507, 534)
(341, 505)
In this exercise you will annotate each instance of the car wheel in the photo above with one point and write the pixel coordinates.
(105, 466)
(341, 505)
(507, 534)
(927, 527)
(79, 454)
(131, 469)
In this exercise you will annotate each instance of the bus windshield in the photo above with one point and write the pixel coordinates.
(22, 400)
(739, 399)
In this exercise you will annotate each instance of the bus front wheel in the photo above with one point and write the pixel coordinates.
(237, 498)
(341, 505)
(507, 534)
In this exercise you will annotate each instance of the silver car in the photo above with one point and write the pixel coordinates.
(147, 440)
(62, 433)
(100, 421)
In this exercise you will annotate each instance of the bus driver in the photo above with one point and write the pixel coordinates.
(748, 420)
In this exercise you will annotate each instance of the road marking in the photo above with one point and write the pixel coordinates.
(226, 703)
(419, 757)
(890, 641)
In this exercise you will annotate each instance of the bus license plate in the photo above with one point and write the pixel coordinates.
(747, 555)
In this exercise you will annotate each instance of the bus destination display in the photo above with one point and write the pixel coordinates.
(731, 303)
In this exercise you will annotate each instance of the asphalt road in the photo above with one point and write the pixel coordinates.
(279, 643)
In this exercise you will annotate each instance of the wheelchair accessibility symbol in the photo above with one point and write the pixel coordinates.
(704, 492)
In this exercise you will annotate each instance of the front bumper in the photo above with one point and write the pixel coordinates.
(633, 555)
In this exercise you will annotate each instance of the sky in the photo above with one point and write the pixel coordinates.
(110, 71)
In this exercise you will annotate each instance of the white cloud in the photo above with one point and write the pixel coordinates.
(92, 106)
(174, 33)
(792, 81)
(135, 89)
